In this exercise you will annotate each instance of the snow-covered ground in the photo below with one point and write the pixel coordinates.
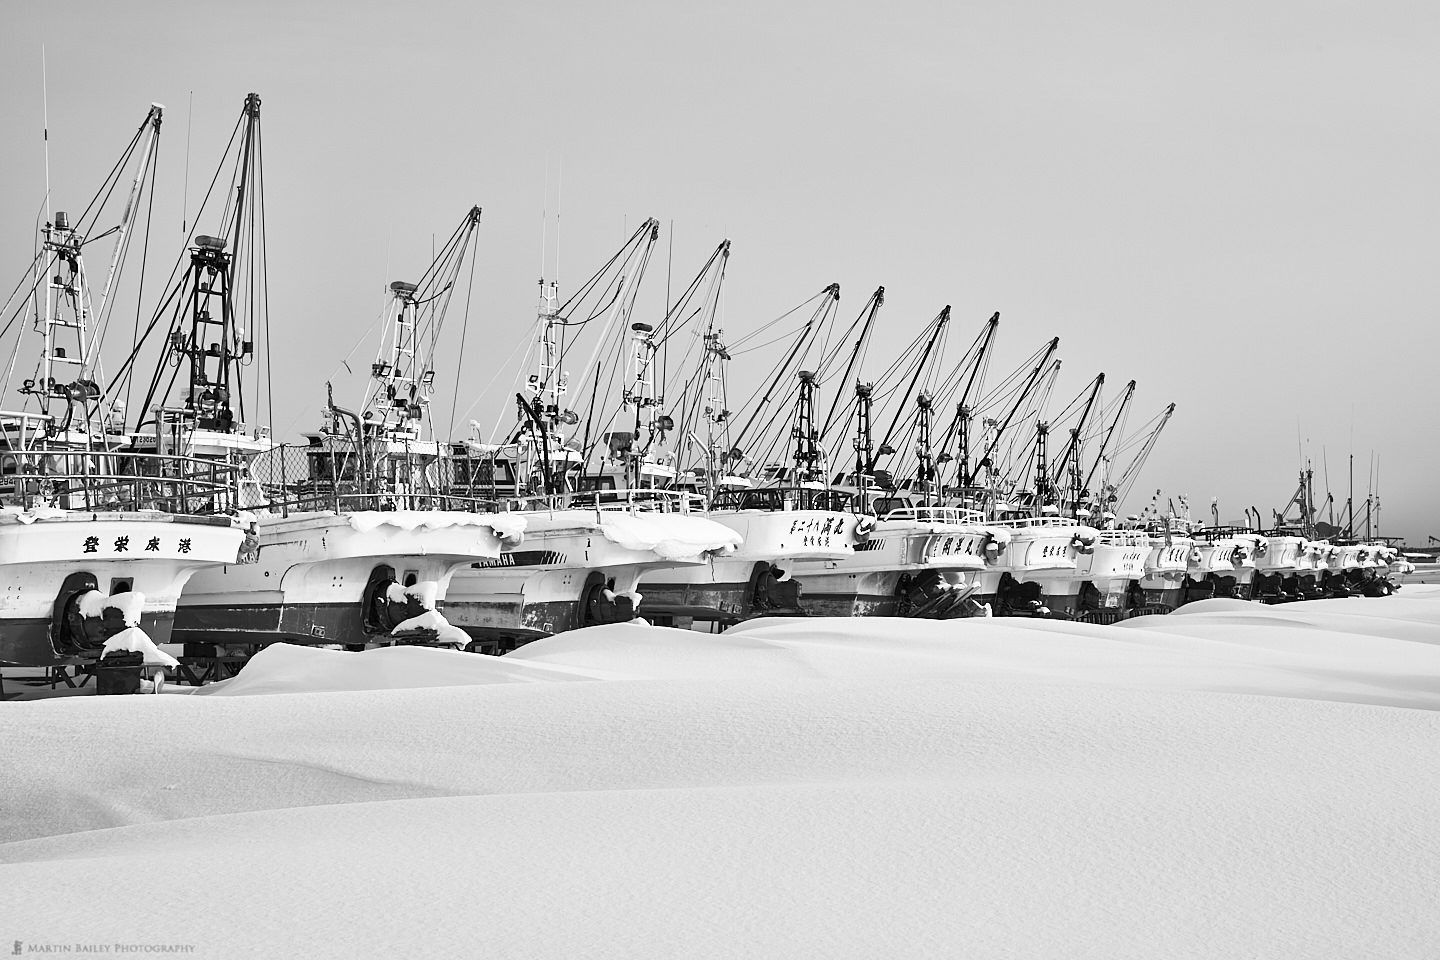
(1233, 780)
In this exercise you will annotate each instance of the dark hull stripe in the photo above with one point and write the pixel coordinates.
(724, 600)
(26, 641)
(267, 623)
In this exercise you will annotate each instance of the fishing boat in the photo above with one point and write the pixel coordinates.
(583, 557)
(355, 534)
(96, 540)
(588, 544)
(790, 523)
(1036, 550)
(922, 558)
(1166, 563)
(1279, 555)
(919, 560)
(1222, 563)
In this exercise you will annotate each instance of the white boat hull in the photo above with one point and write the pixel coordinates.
(151, 554)
(744, 583)
(905, 568)
(577, 568)
(314, 581)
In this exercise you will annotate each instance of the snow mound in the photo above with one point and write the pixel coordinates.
(670, 536)
(289, 668)
(425, 593)
(135, 640)
(433, 620)
(1363, 650)
(131, 604)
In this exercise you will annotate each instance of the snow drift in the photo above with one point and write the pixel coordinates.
(1235, 780)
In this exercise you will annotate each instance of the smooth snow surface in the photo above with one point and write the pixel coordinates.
(1233, 780)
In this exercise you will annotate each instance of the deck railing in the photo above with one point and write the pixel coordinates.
(951, 515)
(119, 482)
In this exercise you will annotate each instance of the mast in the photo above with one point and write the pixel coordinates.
(808, 454)
(1042, 473)
(402, 384)
(216, 345)
(863, 444)
(66, 316)
(641, 393)
(1350, 502)
(963, 411)
(871, 310)
(925, 471)
(548, 384)
(713, 409)
(401, 391)
(70, 326)
(615, 285)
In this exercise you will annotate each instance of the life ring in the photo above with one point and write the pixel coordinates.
(1195, 555)
(1083, 543)
(1262, 546)
(1239, 555)
(864, 526)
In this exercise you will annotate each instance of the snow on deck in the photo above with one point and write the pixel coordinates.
(1233, 780)
(506, 527)
(670, 536)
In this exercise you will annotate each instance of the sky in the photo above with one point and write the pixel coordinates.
(1233, 204)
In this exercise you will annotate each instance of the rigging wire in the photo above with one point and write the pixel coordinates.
(464, 328)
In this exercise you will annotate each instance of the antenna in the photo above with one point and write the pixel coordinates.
(544, 219)
(185, 197)
(1329, 499)
(1350, 495)
(559, 184)
(45, 120)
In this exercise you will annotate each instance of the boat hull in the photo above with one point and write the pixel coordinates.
(763, 576)
(905, 568)
(47, 562)
(1034, 567)
(316, 575)
(576, 568)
